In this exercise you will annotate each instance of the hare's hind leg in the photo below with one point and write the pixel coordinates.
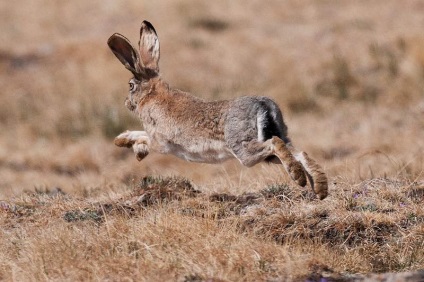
(255, 132)
(314, 172)
(293, 167)
(138, 140)
(291, 161)
(253, 152)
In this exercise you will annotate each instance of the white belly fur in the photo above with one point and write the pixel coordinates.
(204, 151)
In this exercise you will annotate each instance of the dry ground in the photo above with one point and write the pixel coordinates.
(349, 76)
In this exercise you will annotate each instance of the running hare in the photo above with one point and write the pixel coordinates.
(250, 129)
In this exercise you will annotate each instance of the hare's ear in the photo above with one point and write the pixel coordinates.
(125, 52)
(149, 47)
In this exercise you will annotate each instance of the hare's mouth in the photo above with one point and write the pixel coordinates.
(129, 104)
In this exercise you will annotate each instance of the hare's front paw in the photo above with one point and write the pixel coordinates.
(124, 139)
(141, 149)
(138, 140)
(129, 138)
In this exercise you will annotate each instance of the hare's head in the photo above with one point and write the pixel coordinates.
(142, 63)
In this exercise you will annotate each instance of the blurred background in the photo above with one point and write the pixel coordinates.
(349, 76)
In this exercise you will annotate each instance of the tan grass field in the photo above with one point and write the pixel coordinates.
(349, 76)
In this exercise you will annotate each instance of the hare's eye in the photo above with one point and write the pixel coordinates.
(132, 86)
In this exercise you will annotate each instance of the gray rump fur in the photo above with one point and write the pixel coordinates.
(248, 119)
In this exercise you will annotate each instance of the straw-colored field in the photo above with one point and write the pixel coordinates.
(348, 75)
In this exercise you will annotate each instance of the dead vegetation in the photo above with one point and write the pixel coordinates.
(379, 221)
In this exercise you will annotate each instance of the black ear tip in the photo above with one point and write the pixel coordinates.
(148, 25)
(111, 39)
(115, 38)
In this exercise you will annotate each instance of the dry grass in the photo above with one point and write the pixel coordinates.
(349, 76)
(164, 228)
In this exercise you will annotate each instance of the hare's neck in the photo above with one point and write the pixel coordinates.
(153, 86)
(151, 90)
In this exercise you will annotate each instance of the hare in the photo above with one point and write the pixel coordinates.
(250, 129)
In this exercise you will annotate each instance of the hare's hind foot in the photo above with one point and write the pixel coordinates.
(138, 140)
(293, 167)
(316, 176)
